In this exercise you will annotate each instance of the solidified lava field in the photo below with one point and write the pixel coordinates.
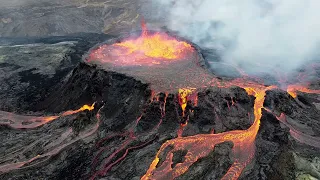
(149, 106)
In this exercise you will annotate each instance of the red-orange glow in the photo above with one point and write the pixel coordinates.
(201, 145)
(147, 50)
(83, 108)
(183, 97)
(181, 128)
(292, 90)
(26, 122)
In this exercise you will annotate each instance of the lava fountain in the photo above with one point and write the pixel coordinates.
(162, 60)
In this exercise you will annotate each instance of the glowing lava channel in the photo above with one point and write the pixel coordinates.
(201, 145)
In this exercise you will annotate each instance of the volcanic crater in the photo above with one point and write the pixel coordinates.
(148, 106)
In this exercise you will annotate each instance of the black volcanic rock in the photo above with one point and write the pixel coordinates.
(274, 158)
(35, 68)
(223, 110)
(213, 166)
(52, 79)
(302, 113)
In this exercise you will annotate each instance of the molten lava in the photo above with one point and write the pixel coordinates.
(156, 57)
(201, 145)
(183, 97)
(292, 90)
(146, 50)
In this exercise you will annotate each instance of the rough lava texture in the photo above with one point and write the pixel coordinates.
(49, 77)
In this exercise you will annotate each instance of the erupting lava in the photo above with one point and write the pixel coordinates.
(145, 50)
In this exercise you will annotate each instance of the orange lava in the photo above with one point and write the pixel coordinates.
(183, 97)
(201, 145)
(292, 90)
(26, 122)
(83, 108)
(147, 50)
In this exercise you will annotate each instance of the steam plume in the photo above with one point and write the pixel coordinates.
(277, 33)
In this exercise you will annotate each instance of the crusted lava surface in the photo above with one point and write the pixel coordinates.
(173, 118)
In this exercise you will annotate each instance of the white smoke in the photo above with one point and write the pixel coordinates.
(276, 33)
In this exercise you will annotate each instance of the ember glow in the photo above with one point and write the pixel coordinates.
(146, 50)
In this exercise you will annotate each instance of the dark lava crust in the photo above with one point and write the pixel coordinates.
(73, 83)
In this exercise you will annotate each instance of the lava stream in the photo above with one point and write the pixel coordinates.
(292, 90)
(27, 122)
(201, 145)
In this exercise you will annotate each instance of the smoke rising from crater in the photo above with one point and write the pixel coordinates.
(276, 33)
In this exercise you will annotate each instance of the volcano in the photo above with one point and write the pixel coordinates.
(148, 106)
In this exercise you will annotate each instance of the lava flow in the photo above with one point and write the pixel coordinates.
(201, 145)
(292, 90)
(26, 122)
